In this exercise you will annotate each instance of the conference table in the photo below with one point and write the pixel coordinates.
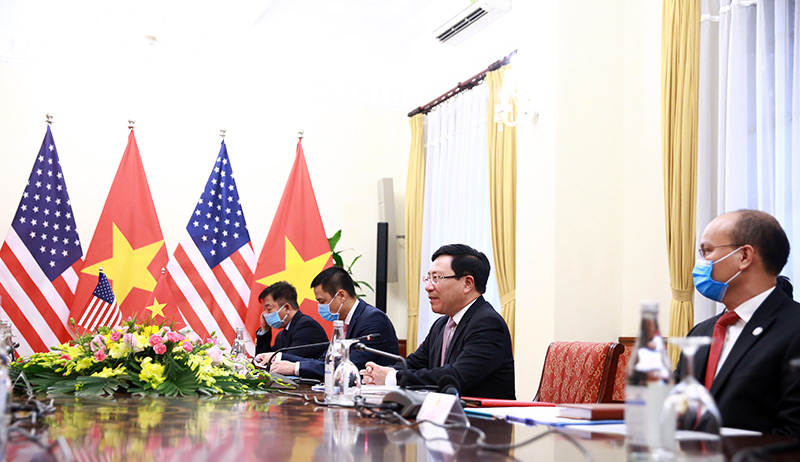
(282, 426)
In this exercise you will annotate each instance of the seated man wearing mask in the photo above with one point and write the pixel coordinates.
(470, 343)
(281, 311)
(747, 368)
(336, 294)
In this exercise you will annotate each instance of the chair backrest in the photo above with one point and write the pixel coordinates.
(579, 372)
(622, 369)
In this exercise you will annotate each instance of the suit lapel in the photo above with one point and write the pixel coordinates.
(701, 357)
(354, 320)
(460, 328)
(755, 329)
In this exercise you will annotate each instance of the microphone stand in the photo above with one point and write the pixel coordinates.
(312, 345)
(404, 378)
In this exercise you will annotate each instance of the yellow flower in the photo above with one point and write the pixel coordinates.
(151, 373)
(118, 350)
(108, 372)
(84, 363)
(147, 331)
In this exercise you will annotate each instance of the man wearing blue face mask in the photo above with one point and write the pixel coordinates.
(336, 295)
(747, 366)
(281, 311)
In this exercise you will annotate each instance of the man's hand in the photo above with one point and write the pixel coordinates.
(262, 358)
(264, 325)
(282, 367)
(374, 374)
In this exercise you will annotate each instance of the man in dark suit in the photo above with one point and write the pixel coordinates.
(478, 354)
(747, 369)
(279, 301)
(334, 290)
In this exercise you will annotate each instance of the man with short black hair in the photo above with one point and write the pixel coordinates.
(281, 311)
(336, 295)
(470, 343)
(747, 368)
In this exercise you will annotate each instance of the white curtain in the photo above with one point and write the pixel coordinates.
(749, 133)
(456, 206)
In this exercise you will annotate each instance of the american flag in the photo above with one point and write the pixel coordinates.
(212, 267)
(40, 257)
(103, 309)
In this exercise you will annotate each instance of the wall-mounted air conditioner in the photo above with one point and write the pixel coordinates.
(474, 18)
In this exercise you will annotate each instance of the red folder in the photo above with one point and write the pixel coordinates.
(490, 402)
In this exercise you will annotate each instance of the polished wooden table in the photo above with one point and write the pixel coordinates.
(274, 427)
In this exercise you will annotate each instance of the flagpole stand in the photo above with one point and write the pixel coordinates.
(49, 119)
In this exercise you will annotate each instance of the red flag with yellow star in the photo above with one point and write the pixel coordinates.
(296, 249)
(127, 243)
(161, 307)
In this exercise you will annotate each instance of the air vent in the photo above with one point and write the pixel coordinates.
(474, 18)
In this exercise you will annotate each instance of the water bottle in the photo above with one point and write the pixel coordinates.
(238, 355)
(649, 379)
(333, 358)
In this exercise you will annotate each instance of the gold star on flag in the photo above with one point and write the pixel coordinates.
(298, 272)
(127, 267)
(156, 308)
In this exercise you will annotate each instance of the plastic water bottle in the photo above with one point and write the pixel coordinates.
(333, 358)
(649, 379)
(238, 355)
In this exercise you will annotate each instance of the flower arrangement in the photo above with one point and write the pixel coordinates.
(141, 359)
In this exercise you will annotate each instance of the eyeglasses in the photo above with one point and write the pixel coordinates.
(435, 278)
(703, 251)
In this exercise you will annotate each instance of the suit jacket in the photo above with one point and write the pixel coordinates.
(303, 330)
(756, 387)
(366, 320)
(479, 356)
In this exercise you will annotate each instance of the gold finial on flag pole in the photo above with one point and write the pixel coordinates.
(131, 123)
(222, 133)
(49, 119)
(300, 133)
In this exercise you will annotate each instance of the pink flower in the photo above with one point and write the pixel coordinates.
(212, 340)
(99, 355)
(124, 329)
(166, 329)
(215, 354)
(174, 337)
(188, 347)
(65, 357)
(130, 341)
(97, 343)
(160, 348)
(115, 336)
(194, 338)
(155, 339)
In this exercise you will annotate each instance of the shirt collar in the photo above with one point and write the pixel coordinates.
(350, 314)
(457, 317)
(746, 309)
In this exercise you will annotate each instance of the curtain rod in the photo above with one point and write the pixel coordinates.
(463, 86)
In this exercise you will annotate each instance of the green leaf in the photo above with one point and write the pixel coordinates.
(333, 240)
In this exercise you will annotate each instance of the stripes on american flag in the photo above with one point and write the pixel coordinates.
(212, 267)
(103, 309)
(41, 257)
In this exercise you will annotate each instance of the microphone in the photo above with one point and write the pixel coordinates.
(367, 338)
(404, 402)
(449, 385)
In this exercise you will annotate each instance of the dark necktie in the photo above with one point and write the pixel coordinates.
(448, 335)
(717, 341)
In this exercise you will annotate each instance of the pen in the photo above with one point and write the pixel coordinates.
(524, 420)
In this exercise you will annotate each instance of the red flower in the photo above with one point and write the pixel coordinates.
(99, 355)
(160, 348)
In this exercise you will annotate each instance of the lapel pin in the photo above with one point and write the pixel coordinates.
(758, 330)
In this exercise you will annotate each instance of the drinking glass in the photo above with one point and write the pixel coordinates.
(690, 410)
(346, 379)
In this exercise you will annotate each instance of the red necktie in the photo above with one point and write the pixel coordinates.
(717, 341)
(448, 334)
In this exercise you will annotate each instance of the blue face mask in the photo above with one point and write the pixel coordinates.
(708, 287)
(274, 320)
(325, 310)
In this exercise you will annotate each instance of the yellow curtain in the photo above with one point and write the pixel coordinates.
(415, 194)
(503, 200)
(680, 56)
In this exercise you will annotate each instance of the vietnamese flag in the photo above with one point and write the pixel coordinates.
(296, 249)
(127, 243)
(161, 307)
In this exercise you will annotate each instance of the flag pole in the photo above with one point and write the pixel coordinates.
(300, 133)
(222, 133)
(49, 119)
(131, 123)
